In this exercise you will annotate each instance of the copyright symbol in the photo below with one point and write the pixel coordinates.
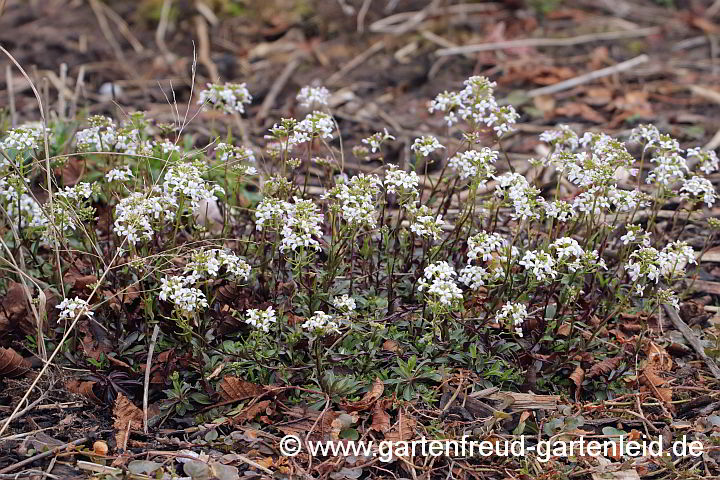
(290, 446)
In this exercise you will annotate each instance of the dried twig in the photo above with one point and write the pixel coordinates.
(589, 77)
(693, 340)
(11, 94)
(356, 62)
(46, 454)
(277, 87)
(548, 42)
(148, 364)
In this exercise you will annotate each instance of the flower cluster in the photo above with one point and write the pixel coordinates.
(647, 264)
(344, 303)
(208, 262)
(403, 184)
(474, 164)
(513, 315)
(261, 319)
(298, 222)
(375, 141)
(699, 189)
(187, 299)
(136, 213)
(313, 97)
(426, 145)
(71, 308)
(355, 200)
(22, 139)
(120, 174)
(314, 125)
(184, 182)
(228, 98)
(439, 285)
(320, 324)
(476, 105)
(425, 224)
(515, 188)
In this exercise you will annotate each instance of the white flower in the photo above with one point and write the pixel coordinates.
(355, 200)
(401, 182)
(344, 303)
(72, 308)
(169, 147)
(560, 210)
(225, 152)
(709, 161)
(473, 276)
(207, 264)
(474, 164)
(229, 98)
(699, 189)
(25, 138)
(313, 97)
(119, 174)
(426, 145)
(320, 324)
(540, 264)
(315, 124)
(135, 215)
(261, 319)
(186, 299)
(562, 139)
(523, 196)
(425, 224)
(184, 180)
(484, 244)
(439, 284)
(671, 168)
(647, 134)
(376, 140)
(76, 193)
(513, 314)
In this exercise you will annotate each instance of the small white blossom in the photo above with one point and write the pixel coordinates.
(513, 315)
(120, 174)
(540, 264)
(228, 98)
(344, 303)
(699, 189)
(261, 319)
(473, 276)
(72, 308)
(313, 97)
(439, 285)
(426, 145)
(474, 164)
(321, 324)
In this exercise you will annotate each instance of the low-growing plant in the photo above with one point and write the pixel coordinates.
(330, 277)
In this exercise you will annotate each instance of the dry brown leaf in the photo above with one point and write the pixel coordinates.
(12, 364)
(375, 392)
(380, 418)
(403, 430)
(598, 96)
(390, 346)
(577, 376)
(128, 417)
(658, 357)
(79, 387)
(14, 313)
(305, 420)
(605, 367)
(232, 388)
(582, 110)
(251, 412)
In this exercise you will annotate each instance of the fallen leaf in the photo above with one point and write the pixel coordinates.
(232, 388)
(606, 366)
(577, 376)
(380, 418)
(251, 412)
(128, 417)
(584, 111)
(12, 364)
(79, 387)
(375, 392)
(403, 430)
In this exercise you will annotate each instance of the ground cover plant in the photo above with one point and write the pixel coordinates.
(185, 283)
(396, 278)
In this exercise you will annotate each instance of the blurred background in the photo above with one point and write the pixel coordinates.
(623, 62)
